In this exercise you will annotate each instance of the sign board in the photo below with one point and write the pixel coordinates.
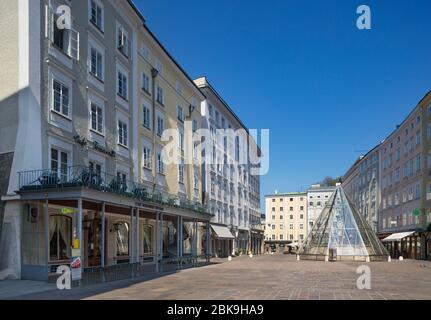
(416, 212)
(67, 211)
(76, 265)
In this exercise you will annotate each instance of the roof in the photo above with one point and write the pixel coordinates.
(206, 84)
(287, 194)
(139, 14)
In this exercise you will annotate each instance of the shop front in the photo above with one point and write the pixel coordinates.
(107, 237)
(404, 244)
(222, 241)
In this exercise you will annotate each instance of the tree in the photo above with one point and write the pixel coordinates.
(329, 181)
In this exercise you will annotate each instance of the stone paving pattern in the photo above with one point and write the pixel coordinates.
(267, 277)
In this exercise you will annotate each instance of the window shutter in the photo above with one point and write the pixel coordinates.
(74, 44)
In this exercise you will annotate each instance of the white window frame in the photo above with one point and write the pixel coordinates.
(146, 157)
(123, 141)
(124, 76)
(160, 128)
(146, 82)
(160, 163)
(94, 45)
(181, 172)
(55, 75)
(99, 4)
(100, 106)
(146, 115)
(71, 48)
(125, 44)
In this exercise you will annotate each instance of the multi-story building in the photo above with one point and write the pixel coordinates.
(256, 233)
(230, 191)
(404, 165)
(390, 185)
(362, 186)
(286, 219)
(87, 99)
(317, 197)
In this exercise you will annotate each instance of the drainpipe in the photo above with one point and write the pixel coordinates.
(154, 74)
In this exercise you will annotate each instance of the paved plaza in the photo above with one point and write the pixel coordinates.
(267, 277)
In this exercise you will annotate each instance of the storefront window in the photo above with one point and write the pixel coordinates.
(60, 237)
(122, 238)
(187, 238)
(148, 239)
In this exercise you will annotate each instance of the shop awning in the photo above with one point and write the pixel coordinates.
(397, 236)
(222, 232)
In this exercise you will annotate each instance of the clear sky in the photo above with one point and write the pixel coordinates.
(326, 90)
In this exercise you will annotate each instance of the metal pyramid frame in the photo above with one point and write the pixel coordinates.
(341, 233)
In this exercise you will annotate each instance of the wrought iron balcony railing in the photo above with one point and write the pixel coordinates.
(82, 176)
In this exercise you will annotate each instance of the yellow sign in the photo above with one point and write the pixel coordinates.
(67, 210)
(76, 244)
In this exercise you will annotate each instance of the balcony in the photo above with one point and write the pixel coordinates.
(84, 177)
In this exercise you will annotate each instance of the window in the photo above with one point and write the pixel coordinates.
(291, 226)
(195, 150)
(196, 178)
(301, 216)
(60, 237)
(291, 208)
(146, 116)
(59, 163)
(95, 168)
(160, 96)
(124, 44)
(291, 217)
(61, 98)
(281, 217)
(160, 164)
(96, 118)
(160, 126)
(301, 226)
(159, 67)
(281, 208)
(122, 133)
(145, 83)
(148, 239)
(122, 238)
(96, 15)
(281, 237)
(181, 172)
(122, 86)
(194, 125)
(146, 157)
(180, 115)
(181, 140)
(65, 39)
(301, 208)
(96, 63)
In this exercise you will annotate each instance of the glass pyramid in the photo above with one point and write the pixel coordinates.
(341, 233)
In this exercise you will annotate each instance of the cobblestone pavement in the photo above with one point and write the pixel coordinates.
(268, 277)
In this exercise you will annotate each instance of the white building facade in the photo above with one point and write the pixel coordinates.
(227, 185)
(317, 197)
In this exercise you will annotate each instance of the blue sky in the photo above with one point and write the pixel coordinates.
(325, 89)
